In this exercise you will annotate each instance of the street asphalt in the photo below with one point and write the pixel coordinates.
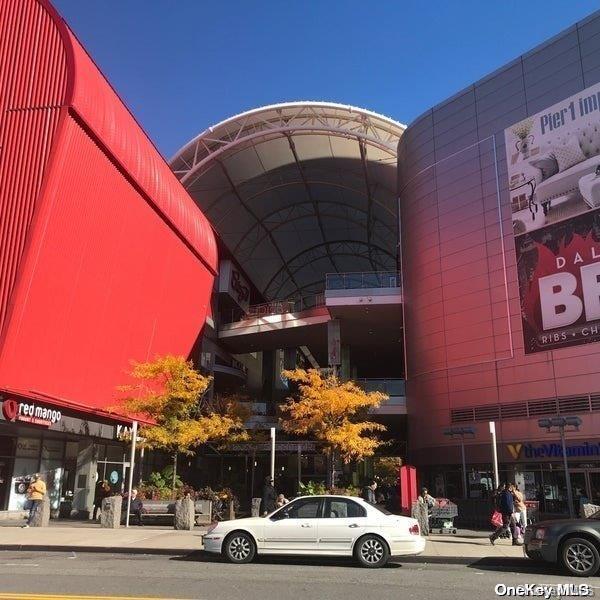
(35, 575)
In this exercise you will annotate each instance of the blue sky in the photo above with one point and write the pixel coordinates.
(183, 65)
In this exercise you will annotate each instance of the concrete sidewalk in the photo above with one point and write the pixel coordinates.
(465, 548)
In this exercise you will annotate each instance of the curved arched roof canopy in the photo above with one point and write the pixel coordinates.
(298, 190)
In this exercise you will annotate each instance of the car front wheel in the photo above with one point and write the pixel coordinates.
(580, 557)
(372, 552)
(239, 547)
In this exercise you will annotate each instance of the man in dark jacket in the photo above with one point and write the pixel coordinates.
(505, 506)
(269, 497)
(136, 507)
(368, 492)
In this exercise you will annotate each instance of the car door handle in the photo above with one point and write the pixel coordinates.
(353, 525)
(306, 525)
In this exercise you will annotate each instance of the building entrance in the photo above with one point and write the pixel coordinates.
(115, 473)
(585, 483)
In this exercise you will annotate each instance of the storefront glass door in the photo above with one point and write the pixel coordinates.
(115, 473)
(594, 486)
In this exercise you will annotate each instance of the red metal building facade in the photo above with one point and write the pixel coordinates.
(104, 257)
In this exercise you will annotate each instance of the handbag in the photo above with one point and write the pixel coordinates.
(496, 519)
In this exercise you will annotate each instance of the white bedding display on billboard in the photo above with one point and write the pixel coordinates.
(553, 160)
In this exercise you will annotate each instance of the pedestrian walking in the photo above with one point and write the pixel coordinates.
(506, 507)
(35, 494)
(269, 497)
(520, 507)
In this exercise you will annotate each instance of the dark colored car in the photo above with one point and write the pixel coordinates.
(572, 543)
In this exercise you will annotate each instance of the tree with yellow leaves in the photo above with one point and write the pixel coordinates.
(170, 393)
(335, 413)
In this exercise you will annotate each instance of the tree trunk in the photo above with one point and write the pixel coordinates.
(331, 469)
(174, 472)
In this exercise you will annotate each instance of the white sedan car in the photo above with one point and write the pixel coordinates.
(319, 526)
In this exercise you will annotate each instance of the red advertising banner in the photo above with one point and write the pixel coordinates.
(559, 283)
(553, 162)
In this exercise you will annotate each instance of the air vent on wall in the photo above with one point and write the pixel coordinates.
(462, 415)
(487, 413)
(595, 402)
(574, 405)
(542, 407)
(512, 411)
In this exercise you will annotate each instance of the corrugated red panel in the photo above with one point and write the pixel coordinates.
(105, 282)
(33, 71)
(32, 85)
(25, 142)
(104, 258)
(103, 111)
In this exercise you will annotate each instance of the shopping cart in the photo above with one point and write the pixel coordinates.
(442, 516)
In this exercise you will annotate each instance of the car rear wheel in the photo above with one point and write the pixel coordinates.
(371, 552)
(239, 547)
(580, 557)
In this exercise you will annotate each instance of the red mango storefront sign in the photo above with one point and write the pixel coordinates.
(29, 412)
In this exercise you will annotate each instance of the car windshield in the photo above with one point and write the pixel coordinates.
(382, 509)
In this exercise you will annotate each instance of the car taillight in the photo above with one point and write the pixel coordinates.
(414, 530)
(540, 533)
(212, 527)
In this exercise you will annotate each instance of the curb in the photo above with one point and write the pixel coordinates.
(97, 549)
(483, 561)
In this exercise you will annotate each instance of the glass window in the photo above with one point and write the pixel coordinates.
(307, 508)
(342, 509)
(115, 453)
(7, 445)
(28, 447)
(52, 450)
(72, 450)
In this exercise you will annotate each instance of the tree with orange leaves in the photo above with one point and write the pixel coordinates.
(335, 413)
(171, 393)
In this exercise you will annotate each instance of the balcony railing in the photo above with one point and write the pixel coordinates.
(364, 280)
(391, 387)
(282, 307)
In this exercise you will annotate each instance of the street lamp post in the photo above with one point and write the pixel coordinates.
(273, 454)
(495, 455)
(560, 423)
(461, 432)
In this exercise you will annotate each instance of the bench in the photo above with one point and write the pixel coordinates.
(166, 508)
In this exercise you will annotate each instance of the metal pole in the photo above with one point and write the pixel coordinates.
(252, 474)
(273, 454)
(299, 467)
(131, 463)
(495, 454)
(140, 465)
(464, 467)
(567, 474)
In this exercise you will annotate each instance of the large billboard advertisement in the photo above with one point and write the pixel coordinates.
(553, 161)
